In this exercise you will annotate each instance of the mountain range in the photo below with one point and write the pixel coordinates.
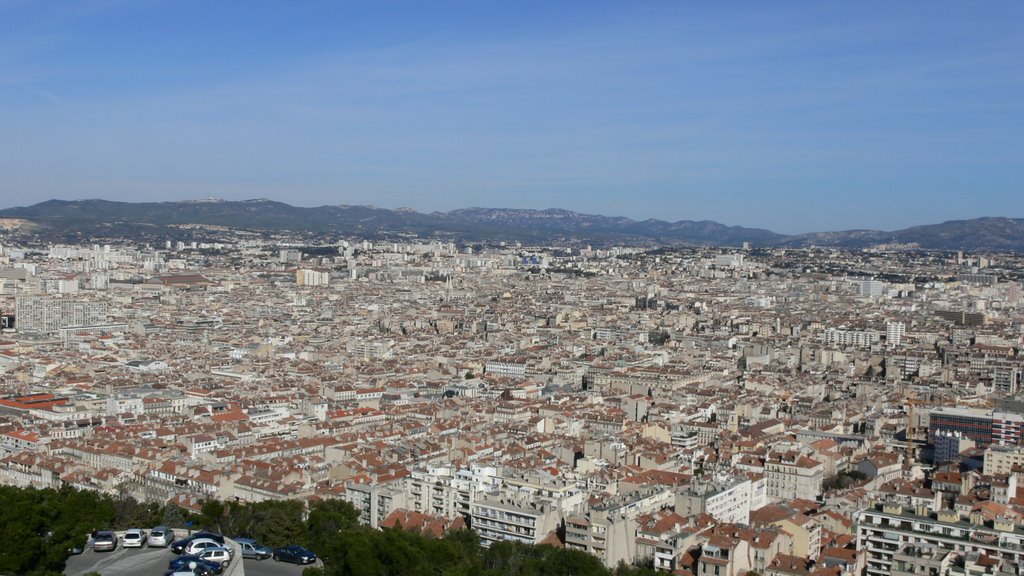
(102, 218)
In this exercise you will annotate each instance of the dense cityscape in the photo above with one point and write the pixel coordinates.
(464, 288)
(690, 410)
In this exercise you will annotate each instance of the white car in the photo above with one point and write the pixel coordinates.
(198, 545)
(220, 555)
(134, 538)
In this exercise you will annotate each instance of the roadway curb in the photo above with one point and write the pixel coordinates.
(237, 566)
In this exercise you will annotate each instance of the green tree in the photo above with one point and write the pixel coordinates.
(213, 512)
(276, 522)
(327, 518)
(172, 515)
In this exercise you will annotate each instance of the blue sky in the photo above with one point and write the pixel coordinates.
(793, 116)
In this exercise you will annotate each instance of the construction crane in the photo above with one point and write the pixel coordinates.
(911, 428)
(911, 398)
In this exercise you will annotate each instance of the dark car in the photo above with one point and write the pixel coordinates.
(178, 546)
(294, 554)
(211, 535)
(181, 563)
(186, 571)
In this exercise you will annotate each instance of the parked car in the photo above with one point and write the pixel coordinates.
(211, 535)
(183, 562)
(161, 536)
(219, 554)
(250, 549)
(199, 544)
(104, 540)
(134, 538)
(186, 571)
(294, 554)
(178, 546)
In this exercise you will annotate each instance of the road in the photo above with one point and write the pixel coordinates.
(153, 562)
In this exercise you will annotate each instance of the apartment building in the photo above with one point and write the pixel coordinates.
(849, 337)
(497, 518)
(724, 556)
(449, 492)
(885, 531)
(45, 315)
(375, 501)
(792, 475)
(309, 277)
(984, 427)
(726, 500)
(1002, 460)
(609, 529)
(512, 368)
(922, 560)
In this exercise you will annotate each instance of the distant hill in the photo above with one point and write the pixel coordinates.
(1000, 234)
(100, 218)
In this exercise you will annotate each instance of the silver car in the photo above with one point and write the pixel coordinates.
(218, 554)
(104, 540)
(134, 538)
(161, 536)
(197, 546)
(250, 549)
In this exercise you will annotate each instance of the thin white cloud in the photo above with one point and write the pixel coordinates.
(26, 87)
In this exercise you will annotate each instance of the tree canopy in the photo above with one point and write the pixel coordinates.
(48, 523)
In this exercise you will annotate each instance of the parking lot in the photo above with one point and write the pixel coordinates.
(153, 562)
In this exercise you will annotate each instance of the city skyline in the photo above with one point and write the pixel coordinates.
(789, 117)
(782, 411)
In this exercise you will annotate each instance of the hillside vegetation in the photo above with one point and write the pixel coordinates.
(47, 524)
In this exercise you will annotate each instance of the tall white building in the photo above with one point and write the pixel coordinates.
(307, 277)
(871, 288)
(45, 315)
(729, 260)
(726, 500)
(447, 491)
(894, 332)
(287, 255)
(844, 336)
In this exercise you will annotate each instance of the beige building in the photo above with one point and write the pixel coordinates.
(792, 475)
(1002, 459)
(727, 500)
(609, 530)
(806, 535)
(375, 502)
(506, 518)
